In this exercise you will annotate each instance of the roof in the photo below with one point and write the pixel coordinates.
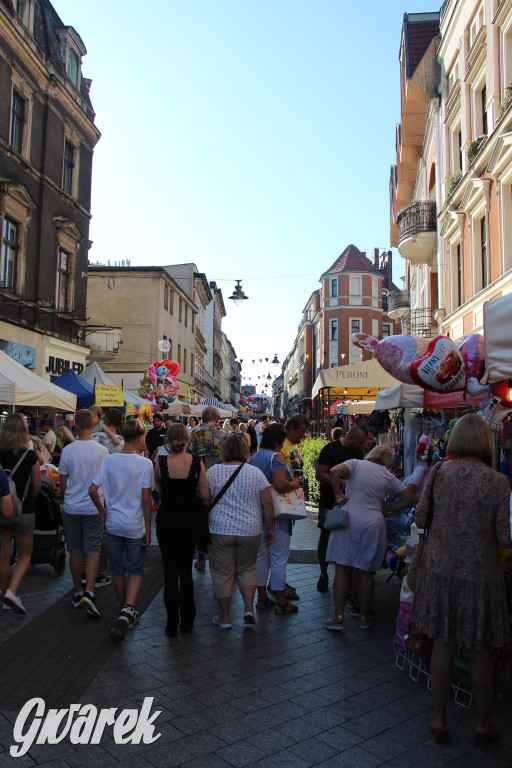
(352, 260)
(419, 31)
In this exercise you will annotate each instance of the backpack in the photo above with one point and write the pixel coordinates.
(17, 504)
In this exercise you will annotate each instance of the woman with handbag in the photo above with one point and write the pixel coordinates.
(239, 491)
(460, 596)
(362, 543)
(275, 556)
(22, 465)
(181, 524)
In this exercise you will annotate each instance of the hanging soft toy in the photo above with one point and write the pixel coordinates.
(422, 449)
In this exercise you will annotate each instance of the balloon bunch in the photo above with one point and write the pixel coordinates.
(159, 383)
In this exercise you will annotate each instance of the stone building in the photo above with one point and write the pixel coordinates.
(47, 139)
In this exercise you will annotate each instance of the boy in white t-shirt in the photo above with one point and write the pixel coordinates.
(127, 480)
(83, 526)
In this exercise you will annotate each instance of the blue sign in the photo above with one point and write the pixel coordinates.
(24, 355)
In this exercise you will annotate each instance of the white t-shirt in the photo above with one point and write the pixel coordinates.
(122, 477)
(49, 440)
(239, 511)
(80, 461)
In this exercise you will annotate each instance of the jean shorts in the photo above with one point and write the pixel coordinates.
(83, 533)
(125, 555)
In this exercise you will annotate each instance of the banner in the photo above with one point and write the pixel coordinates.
(108, 397)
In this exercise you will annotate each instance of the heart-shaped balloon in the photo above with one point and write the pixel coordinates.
(397, 353)
(472, 350)
(441, 368)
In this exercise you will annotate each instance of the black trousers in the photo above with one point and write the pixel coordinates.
(177, 535)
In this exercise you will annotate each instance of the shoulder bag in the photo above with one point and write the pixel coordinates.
(289, 505)
(337, 518)
(17, 503)
(225, 487)
(412, 571)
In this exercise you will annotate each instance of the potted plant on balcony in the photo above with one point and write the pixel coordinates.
(452, 182)
(507, 100)
(474, 148)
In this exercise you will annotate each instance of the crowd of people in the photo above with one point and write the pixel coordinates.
(211, 486)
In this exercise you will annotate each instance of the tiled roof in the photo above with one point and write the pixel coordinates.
(352, 260)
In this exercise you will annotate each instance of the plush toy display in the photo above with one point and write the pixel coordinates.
(159, 384)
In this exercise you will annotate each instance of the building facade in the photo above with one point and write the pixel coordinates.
(47, 139)
(454, 225)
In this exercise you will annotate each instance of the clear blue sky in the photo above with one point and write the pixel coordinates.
(252, 138)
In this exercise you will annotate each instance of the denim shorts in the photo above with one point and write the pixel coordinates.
(125, 555)
(83, 533)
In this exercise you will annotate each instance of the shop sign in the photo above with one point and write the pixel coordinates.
(108, 397)
(24, 355)
(57, 366)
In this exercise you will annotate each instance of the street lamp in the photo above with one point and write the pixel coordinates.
(275, 361)
(238, 296)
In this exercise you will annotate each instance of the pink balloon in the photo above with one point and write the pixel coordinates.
(472, 350)
(364, 341)
(397, 353)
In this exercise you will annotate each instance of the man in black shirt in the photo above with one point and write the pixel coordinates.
(156, 437)
(349, 447)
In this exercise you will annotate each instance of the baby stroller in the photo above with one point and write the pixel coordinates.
(48, 532)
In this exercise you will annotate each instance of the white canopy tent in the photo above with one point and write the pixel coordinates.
(400, 396)
(199, 408)
(21, 386)
(93, 374)
(356, 407)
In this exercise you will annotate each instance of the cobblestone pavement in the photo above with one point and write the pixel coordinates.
(285, 692)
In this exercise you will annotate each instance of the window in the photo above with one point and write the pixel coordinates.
(61, 297)
(334, 330)
(334, 286)
(179, 354)
(186, 315)
(375, 288)
(180, 312)
(483, 247)
(9, 255)
(193, 321)
(458, 285)
(69, 164)
(483, 97)
(166, 297)
(72, 67)
(22, 8)
(184, 360)
(171, 301)
(17, 121)
(192, 364)
(355, 326)
(386, 330)
(355, 286)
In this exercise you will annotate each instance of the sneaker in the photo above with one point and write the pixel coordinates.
(121, 626)
(200, 565)
(14, 603)
(77, 599)
(355, 611)
(88, 602)
(132, 614)
(322, 584)
(102, 581)
(365, 622)
(336, 623)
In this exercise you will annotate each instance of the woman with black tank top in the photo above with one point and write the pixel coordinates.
(181, 524)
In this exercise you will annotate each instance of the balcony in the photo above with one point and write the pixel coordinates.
(399, 304)
(417, 232)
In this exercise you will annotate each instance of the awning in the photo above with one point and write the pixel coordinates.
(93, 374)
(361, 380)
(72, 382)
(198, 410)
(21, 386)
(400, 396)
(177, 408)
(355, 408)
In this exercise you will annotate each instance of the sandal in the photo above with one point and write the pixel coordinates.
(249, 617)
(483, 739)
(280, 610)
(268, 603)
(337, 623)
(290, 592)
(440, 735)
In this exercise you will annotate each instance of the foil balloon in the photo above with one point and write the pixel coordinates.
(364, 341)
(503, 390)
(174, 368)
(472, 350)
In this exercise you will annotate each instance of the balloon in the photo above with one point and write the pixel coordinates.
(162, 371)
(494, 411)
(167, 364)
(164, 345)
(502, 390)
(152, 374)
(397, 353)
(472, 350)
(174, 368)
(441, 368)
(364, 341)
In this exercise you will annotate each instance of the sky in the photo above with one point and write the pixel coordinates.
(254, 139)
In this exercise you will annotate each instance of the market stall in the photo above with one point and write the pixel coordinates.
(72, 382)
(95, 375)
(19, 386)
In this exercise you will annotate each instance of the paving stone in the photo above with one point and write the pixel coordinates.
(355, 757)
(201, 743)
(240, 754)
(312, 751)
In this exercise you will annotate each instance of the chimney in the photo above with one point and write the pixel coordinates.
(376, 258)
